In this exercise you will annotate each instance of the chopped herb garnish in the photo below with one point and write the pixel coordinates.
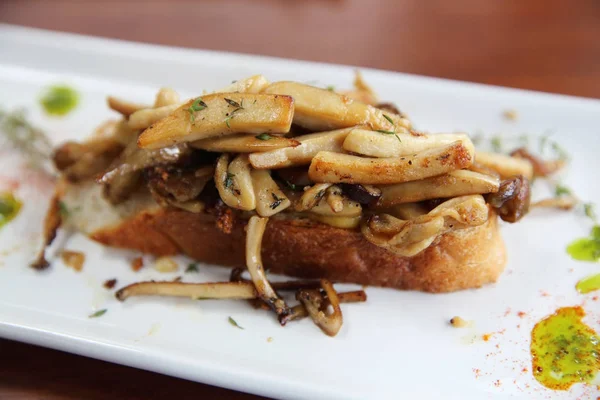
(277, 201)
(391, 121)
(193, 267)
(234, 323)
(229, 116)
(596, 232)
(233, 103)
(331, 88)
(264, 136)
(197, 105)
(229, 180)
(590, 211)
(291, 185)
(496, 143)
(389, 133)
(98, 313)
(561, 190)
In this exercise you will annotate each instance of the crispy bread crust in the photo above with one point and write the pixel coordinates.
(462, 259)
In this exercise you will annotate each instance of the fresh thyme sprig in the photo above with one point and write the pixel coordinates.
(391, 121)
(238, 107)
(197, 105)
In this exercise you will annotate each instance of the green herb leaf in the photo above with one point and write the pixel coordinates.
(390, 120)
(561, 190)
(193, 267)
(496, 143)
(590, 211)
(197, 105)
(390, 133)
(234, 323)
(98, 313)
(229, 180)
(231, 114)
(290, 185)
(264, 136)
(331, 88)
(277, 201)
(233, 103)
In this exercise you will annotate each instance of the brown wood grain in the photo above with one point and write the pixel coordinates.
(30, 372)
(548, 45)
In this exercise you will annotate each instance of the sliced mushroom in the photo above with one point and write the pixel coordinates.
(512, 199)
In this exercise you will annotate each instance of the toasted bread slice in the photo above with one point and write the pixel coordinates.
(461, 259)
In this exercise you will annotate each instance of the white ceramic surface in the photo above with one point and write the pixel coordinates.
(397, 345)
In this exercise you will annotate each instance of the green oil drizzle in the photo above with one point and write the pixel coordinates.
(588, 284)
(9, 208)
(586, 249)
(59, 100)
(564, 350)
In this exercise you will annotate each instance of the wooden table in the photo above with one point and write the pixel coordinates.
(549, 45)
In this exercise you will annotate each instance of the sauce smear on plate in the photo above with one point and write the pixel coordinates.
(564, 350)
(9, 208)
(588, 284)
(59, 100)
(586, 249)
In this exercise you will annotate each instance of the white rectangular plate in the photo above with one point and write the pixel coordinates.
(397, 345)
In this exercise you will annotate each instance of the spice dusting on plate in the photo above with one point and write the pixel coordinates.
(588, 284)
(9, 208)
(59, 100)
(510, 115)
(564, 350)
(73, 259)
(586, 249)
(137, 264)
